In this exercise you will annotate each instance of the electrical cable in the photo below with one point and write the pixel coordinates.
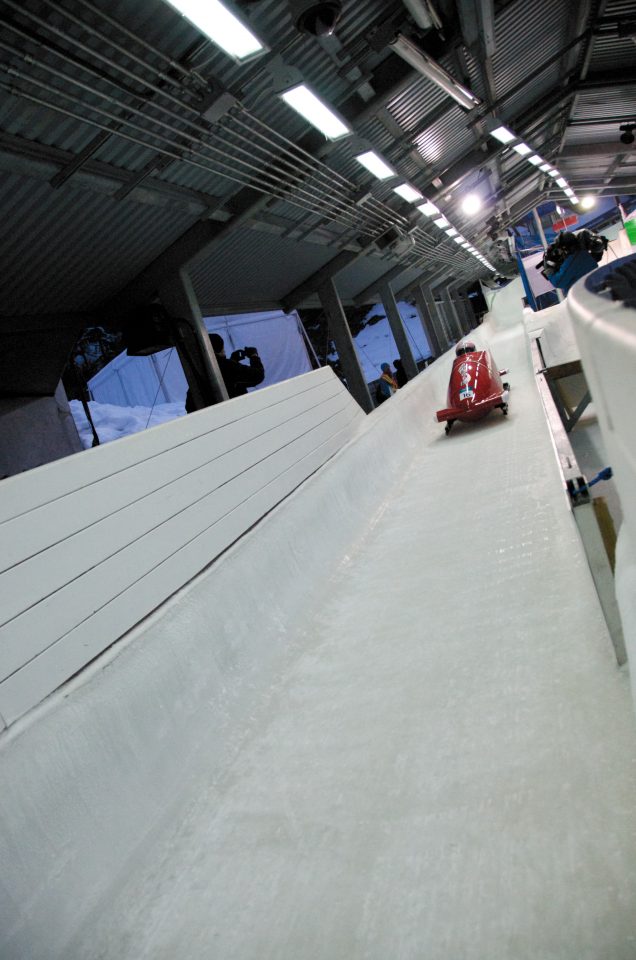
(170, 352)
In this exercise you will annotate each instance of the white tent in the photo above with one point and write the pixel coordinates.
(158, 379)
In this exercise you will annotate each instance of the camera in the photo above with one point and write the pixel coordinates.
(316, 17)
(245, 352)
(569, 243)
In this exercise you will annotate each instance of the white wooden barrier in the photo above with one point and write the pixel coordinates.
(113, 757)
(92, 544)
(606, 333)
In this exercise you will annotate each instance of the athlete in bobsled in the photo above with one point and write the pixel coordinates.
(475, 387)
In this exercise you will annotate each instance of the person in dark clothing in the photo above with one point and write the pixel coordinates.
(400, 373)
(236, 376)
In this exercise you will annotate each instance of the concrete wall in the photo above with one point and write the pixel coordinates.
(606, 333)
(35, 430)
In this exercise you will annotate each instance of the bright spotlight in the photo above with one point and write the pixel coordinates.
(471, 204)
(588, 201)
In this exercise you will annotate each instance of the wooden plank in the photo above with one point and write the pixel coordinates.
(30, 533)
(31, 684)
(146, 534)
(31, 489)
(25, 584)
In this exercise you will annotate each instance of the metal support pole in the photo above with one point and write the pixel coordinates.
(453, 312)
(399, 331)
(539, 226)
(460, 304)
(457, 308)
(447, 339)
(427, 320)
(339, 327)
(179, 299)
(544, 243)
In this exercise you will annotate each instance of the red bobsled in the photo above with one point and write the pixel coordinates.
(475, 387)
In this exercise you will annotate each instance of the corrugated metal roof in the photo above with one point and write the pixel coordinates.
(414, 104)
(592, 133)
(446, 139)
(72, 248)
(525, 35)
(277, 266)
(612, 53)
(357, 276)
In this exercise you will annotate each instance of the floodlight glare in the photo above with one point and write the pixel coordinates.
(562, 182)
(222, 27)
(451, 232)
(305, 102)
(432, 70)
(588, 201)
(522, 149)
(471, 204)
(535, 160)
(376, 165)
(407, 192)
(503, 134)
(441, 222)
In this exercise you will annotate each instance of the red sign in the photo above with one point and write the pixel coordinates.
(565, 222)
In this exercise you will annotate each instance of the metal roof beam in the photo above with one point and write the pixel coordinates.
(477, 21)
(309, 286)
(374, 287)
(200, 239)
(575, 151)
(607, 79)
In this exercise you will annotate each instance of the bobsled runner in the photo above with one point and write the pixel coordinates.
(475, 387)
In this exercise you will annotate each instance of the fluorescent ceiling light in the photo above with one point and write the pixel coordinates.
(471, 204)
(428, 209)
(465, 244)
(575, 199)
(376, 165)
(562, 182)
(554, 172)
(459, 241)
(433, 71)
(441, 222)
(568, 192)
(522, 149)
(222, 27)
(503, 134)
(305, 102)
(407, 192)
(451, 232)
(545, 167)
(535, 160)
(424, 14)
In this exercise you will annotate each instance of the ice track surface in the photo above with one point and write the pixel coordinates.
(445, 769)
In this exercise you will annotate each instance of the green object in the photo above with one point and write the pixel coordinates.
(630, 230)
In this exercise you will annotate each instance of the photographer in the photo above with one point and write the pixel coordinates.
(571, 256)
(236, 376)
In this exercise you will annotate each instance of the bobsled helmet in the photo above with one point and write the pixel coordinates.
(464, 346)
